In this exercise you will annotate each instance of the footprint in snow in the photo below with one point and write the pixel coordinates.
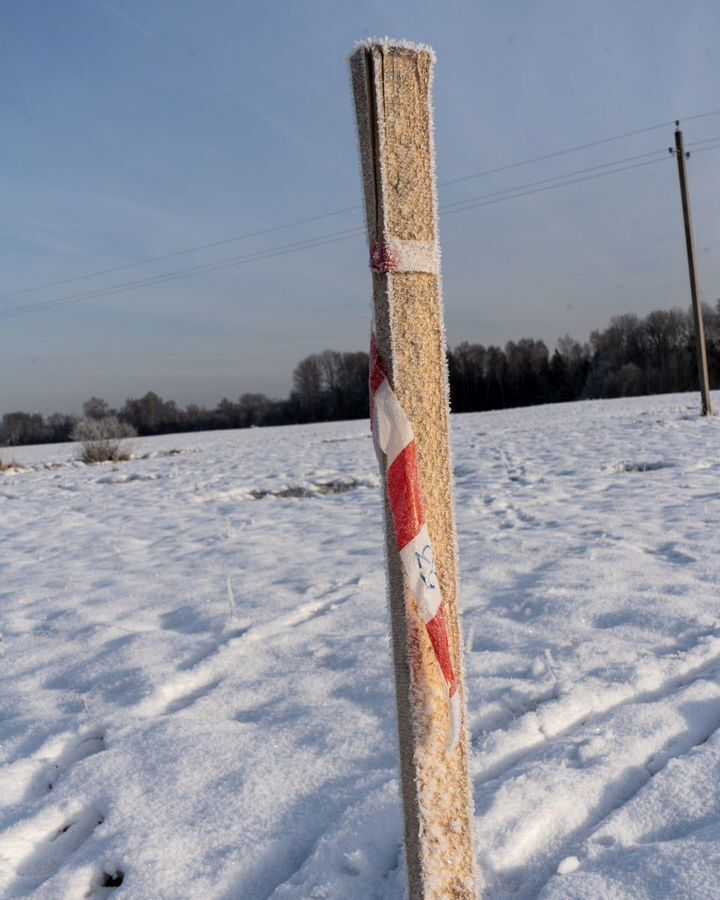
(76, 749)
(50, 853)
(104, 883)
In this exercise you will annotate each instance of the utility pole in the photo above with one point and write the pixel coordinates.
(409, 395)
(700, 350)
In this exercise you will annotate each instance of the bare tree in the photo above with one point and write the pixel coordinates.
(22, 428)
(308, 385)
(95, 408)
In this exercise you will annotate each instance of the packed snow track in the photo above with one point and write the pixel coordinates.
(197, 693)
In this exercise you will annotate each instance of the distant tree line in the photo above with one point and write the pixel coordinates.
(631, 357)
(326, 386)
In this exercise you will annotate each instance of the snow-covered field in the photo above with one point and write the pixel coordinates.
(196, 693)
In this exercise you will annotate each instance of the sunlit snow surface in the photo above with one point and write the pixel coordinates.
(196, 696)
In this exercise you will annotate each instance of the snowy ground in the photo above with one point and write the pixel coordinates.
(196, 692)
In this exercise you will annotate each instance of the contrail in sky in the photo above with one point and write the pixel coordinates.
(188, 57)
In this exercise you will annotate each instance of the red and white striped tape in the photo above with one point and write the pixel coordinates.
(393, 436)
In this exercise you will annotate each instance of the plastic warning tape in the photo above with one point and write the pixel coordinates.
(394, 438)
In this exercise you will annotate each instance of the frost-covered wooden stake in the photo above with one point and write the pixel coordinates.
(392, 89)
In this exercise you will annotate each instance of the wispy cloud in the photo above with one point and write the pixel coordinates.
(191, 60)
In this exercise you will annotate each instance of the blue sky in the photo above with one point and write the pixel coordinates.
(135, 129)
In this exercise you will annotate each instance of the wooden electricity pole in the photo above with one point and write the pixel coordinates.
(700, 349)
(391, 85)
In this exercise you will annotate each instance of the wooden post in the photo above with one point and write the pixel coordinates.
(391, 85)
(700, 348)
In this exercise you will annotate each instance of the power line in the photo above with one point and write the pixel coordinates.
(284, 249)
(556, 178)
(704, 141)
(561, 180)
(153, 259)
(524, 193)
(336, 237)
(296, 246)
(550, 187)
(321, 216)
(608, 140)
(702, 149)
